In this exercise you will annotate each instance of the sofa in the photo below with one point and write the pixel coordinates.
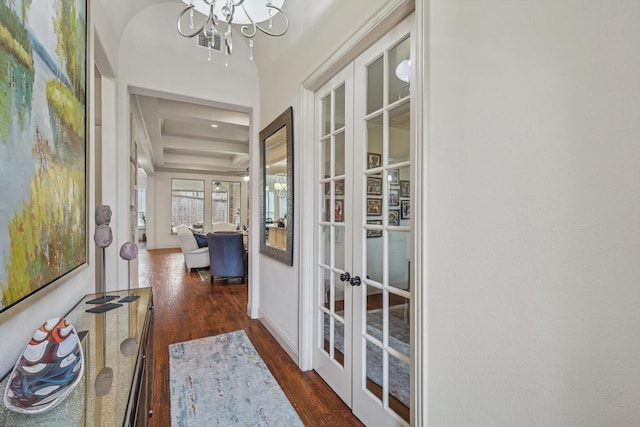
(194, 256)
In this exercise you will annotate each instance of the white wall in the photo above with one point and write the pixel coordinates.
(534, 213)
(160, 210)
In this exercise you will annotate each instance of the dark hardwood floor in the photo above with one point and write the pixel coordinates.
(187, 308)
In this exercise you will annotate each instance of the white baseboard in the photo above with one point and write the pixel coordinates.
(280, 337)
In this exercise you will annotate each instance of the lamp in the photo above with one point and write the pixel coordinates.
(250, 14)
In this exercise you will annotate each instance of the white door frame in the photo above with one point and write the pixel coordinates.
(390, 15)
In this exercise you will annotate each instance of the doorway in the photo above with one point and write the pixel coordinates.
(363, 240)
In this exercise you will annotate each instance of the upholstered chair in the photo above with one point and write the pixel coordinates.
(194, 257)
(228, 259)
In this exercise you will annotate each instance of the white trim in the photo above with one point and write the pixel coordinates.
(419, 109)
(388, 17)
(306, 249)
(280, 336)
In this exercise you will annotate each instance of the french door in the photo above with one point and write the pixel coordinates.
(362, 298)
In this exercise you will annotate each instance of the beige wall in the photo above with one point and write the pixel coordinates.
(534, 213)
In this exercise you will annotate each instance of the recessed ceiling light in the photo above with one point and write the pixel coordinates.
(213, 125)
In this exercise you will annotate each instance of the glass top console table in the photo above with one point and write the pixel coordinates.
(116, 388)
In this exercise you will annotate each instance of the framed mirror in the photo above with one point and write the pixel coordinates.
(276, 184)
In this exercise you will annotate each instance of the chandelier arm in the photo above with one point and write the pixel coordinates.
(286, 20)
(195, 33)
(250, 34)
(245, 30)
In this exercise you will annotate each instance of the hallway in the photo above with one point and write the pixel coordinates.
(187, 308)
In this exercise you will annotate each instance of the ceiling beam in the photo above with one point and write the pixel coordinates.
(183, 111)
(208, 162)
(217, 145)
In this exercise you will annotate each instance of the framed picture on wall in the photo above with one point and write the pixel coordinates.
(43, 202)
(374, 160)
(339, 212)
(394, 217)
(340, 188)
(394, 197)
(405, 209)
(374, 186)
(405, 188)
(374, 207)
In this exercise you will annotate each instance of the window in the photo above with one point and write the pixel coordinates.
(187, 204)
(225, 202)
(142, 207)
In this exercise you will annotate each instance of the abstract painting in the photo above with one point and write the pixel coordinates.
(43, 74)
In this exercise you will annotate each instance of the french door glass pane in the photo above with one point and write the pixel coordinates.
(338, 341)
(339, 98)
(375, 137)
(339, 247)
(325, 162)
(326, 332)
(399, 256)
(398, 315)
(326, 115)
(374, 362)
(338, 296)
(398, 71)
(399, 134)
(399, 386)
(375, 78)
(339, 155)
(373, 255)
(325, 242)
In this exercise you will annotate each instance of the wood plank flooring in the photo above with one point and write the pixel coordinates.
(187, 308)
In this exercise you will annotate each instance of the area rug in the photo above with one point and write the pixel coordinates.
(205, 276)
(399, 372)
(222, 381)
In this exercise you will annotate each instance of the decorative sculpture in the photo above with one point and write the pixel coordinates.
(103, 238)
(129, 251)
(47, 371)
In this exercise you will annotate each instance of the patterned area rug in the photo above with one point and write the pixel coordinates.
(222, 380)
(205, 276)
(399, 339)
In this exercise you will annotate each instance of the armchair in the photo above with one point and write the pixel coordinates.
(194, 257)
(228, 259)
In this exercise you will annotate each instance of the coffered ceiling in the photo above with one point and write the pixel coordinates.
(189, 137)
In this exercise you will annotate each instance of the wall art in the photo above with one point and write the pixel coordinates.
(43, 73)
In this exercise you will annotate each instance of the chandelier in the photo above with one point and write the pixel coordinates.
(215, 18)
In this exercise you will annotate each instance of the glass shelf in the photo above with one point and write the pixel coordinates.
(111, 345)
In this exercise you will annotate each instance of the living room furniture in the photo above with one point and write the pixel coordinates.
(228, 258)
(119, 339)
(223, 226)
(194, 256)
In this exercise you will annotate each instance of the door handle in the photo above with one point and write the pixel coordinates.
(345, 277)
(355, 281)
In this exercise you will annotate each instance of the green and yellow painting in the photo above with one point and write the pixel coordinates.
(43, 232)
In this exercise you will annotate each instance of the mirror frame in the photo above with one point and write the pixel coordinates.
(284, 119)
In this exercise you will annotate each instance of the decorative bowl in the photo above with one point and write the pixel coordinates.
(47, 371)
